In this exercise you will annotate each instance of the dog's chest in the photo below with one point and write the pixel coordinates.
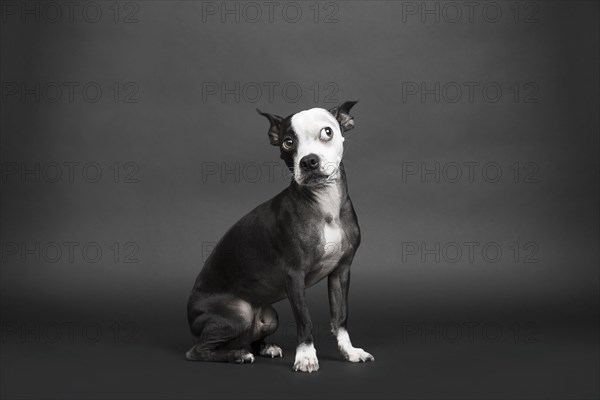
(332, 243)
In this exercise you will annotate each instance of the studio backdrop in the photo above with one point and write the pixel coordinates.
(130, 143)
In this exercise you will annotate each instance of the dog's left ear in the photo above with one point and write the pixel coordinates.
(342, 114)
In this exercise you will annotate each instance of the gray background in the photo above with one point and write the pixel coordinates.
(116, 329)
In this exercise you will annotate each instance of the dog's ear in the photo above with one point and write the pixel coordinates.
(275, 128)
(342, 114)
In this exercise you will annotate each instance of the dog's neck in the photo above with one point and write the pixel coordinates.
(328, 197)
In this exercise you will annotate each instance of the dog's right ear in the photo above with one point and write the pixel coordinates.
(275, 128)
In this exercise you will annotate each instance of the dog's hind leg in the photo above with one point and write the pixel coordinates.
(265, 324)
(222, 326)
(226, 328)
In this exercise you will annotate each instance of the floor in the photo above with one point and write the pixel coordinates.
(76, 352)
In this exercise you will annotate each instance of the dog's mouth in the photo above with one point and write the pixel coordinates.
(316, 178)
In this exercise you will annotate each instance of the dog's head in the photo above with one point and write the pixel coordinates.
(311, 142)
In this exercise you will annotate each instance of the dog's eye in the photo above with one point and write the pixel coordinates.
(288, 144)
(326, 134)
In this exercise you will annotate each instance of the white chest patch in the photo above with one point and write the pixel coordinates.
(333, 241)
(329, 200)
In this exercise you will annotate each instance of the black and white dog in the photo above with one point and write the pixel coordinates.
(307, 232)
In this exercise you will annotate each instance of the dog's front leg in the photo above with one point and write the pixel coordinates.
(306, 355)
(338, 283)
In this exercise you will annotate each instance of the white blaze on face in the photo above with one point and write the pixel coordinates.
(308, 125)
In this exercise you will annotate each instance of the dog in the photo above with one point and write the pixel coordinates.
(307, 232)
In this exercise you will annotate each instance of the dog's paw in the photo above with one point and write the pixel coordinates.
(243, 357)
(349, 352)
(271, 350)
(354, 354)
(306, 364)
(306, 359)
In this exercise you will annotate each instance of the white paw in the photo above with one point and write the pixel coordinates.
(306, 359)
(245, 357)
(271, 350)
(354, 354)
(351, 353)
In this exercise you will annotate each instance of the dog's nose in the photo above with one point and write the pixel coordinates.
(309, 162)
